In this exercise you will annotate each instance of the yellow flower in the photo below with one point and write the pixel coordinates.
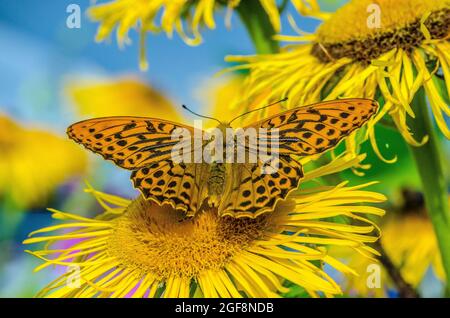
(137, 248)
(121, 97)
(224, 98)
(168, 15)
(351, 55)
(34, 162)
(409, 241)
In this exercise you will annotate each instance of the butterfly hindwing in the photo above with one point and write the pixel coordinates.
(180, 185)
(131, 142)
(252, 192)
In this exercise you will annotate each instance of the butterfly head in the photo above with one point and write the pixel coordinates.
(223, 126)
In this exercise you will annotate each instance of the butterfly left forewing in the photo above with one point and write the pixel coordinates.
(130, 142)
(145, 146)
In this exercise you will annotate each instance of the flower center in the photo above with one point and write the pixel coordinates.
(160, 241)
(363, 30)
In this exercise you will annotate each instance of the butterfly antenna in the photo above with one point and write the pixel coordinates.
(202, 116)
(254, 110)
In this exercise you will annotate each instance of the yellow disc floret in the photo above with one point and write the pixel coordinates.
(159, 240)
(365, 29)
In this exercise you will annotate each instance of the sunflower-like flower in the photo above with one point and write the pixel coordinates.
(171, 16)
(120, 97)
(139, 249)
(224, 98)
(34, 162)
(387, 48)
(410, 243)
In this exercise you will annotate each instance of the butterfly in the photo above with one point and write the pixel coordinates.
(144, 146)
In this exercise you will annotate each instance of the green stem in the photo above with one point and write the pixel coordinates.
(258, 25)
(10, 217)
(431, 170)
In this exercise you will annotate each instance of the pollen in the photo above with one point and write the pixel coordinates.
(162, 241)
(401, 24)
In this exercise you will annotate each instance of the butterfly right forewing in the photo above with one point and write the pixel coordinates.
(303, 131)
(313, 129)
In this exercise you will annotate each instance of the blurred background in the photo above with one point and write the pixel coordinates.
(52, 76)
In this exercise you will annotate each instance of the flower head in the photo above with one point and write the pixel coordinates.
(410, 243)
(121, 97)
(139, 249)
(415, 247)
(34, 162)
(224, 99)
(352, 56)
(171, 16)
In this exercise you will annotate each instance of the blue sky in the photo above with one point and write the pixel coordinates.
(39, 53)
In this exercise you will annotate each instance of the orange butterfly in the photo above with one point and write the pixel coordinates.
(144, 145)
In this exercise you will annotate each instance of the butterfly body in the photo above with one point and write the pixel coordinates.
(216, 183)
(240, 189)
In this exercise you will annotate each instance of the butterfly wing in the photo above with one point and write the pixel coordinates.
(145, 145)
(302, 131)
(180, 185)
(250, 192)
(130, 142)
(309, 130)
